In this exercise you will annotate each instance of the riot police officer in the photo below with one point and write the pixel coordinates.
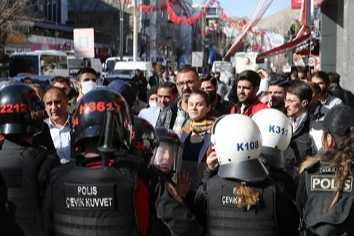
(163, 150)
(325, 193)
(242, 199)
(276, 133)
(24, 168)
(95, 195)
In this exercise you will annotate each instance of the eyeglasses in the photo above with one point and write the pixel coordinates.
(88, 79)
(188, 82)
(290, 101)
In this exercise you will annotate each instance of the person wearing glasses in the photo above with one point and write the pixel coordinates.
(86, 81)
(298, 98)
(175, 116)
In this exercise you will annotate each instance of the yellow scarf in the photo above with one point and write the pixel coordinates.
(201, 126)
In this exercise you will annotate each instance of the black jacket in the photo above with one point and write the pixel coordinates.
(299, 148)
(316, 191)
(24, 175)
(346, 96)
(274, 209)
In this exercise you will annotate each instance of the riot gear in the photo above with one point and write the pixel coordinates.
(144, 139)
(168, 156)
(276, 133)
(238, 152)
(87, 121)
(20, 110)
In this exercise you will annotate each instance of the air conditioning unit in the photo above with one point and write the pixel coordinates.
(41, 7)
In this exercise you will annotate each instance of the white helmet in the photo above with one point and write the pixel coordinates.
(237, 142)
(276, 132)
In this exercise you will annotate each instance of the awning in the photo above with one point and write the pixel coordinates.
(283, 48)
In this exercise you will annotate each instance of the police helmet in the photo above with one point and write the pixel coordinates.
(169, 154)
(90, 114)
(237, 142)
(20, 109)
(144, 140)
(276, 133)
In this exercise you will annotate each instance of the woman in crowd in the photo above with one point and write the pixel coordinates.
(196, 136)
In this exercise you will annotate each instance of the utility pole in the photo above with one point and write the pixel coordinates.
(135, 34)
(121, 25)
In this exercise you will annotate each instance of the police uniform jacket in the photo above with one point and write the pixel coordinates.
(275, 213)
(315, 193)
(24, 175)
(86, 199)
(172, 216)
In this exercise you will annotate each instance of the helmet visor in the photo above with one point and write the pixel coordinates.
(168, 157)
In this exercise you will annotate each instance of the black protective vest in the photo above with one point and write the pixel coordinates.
(225, 218)
(95, 202)
(320, 190)
(18, 169)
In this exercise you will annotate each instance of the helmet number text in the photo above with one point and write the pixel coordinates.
(96, 107)
(13, 108)
(278, 130)
(247, 146)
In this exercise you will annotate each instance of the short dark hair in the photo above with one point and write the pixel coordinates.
(316, 89)
(26, 78)
(250, 76)
(60, 79)
(334, 77)
(186, 69)
(60, 90)
(300, 89)
(278, 80)
(169, 85)
(322, 75)
(209, 78)
(84, 71)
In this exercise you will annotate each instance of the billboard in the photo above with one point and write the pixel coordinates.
(84, 43)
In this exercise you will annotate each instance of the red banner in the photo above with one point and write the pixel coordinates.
(296, 4)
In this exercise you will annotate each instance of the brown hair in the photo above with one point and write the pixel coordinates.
(246, 196)
(343, 150)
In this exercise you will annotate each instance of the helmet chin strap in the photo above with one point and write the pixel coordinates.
(107, 149)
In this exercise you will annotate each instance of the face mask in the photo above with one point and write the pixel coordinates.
(154, 104)
(88, 86)
(212, 95)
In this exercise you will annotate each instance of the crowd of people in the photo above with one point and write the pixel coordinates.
(169, 155)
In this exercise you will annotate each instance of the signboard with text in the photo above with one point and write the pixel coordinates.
(197, 59)
(84, 43)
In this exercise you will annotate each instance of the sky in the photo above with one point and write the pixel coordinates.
(241, 8)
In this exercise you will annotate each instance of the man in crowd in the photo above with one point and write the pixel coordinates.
(247, 87)
(86, 81)
(322, 79)
(141, 81)
(219, 105)
(298, 98)
(222, 87)
(336, 90)
(56, 104)
(175, 116)
(277, 92)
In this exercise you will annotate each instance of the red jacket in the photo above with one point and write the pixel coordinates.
(251, 109)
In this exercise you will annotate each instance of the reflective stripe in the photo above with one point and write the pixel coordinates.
(94, 222)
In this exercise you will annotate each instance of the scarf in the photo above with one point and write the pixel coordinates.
(201, 126)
